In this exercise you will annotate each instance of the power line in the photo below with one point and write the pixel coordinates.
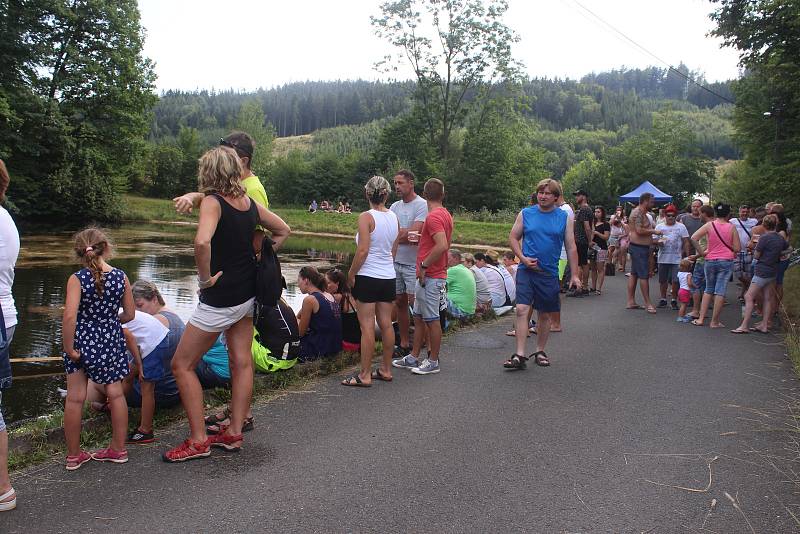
(651, 54)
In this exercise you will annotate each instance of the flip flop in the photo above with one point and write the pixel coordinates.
(754, 329)
(737, 331)
(651, 309)
(377, 375)
(354, 381)
(634, 307)
(696, 323)
(513, 333)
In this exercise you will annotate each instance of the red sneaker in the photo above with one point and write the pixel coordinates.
(110, 455)
(74, 462)
(188, 450)
(227, 441)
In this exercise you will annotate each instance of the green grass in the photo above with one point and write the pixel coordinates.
(790, 314)
(467, 232)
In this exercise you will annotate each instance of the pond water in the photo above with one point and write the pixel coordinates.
(163, 254)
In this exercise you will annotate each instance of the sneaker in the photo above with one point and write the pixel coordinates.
(662, 303)
(575, 293)
(406, 362)
(674, 304)
(139, 437)
(110, 455)
(226, 441)
(188, 450)
(427, 367)
(400, 352)
(74, 462)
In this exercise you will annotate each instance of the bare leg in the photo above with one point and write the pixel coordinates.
(632, 290)
(644, 286)
(193, 344)
(5, 482)
(623, 258)
(749, 303)
(434, 329)
(366, 320)
(543, 331)
(119, 415)
(148, 406)
(601, 275)
(384, 314)
(240, 340)
(521, 327)
(768, 303)
(704, 304)
(663, 288)
(675, 287)
(593, 272)
(73, 410)
(403, 319)
(419, 336)
(719, 301)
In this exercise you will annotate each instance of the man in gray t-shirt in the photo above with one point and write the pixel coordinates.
(411, 211)
(692, 221)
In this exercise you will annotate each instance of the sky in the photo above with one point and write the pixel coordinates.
(247, 44)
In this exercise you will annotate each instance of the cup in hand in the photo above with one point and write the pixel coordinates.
(413, 237)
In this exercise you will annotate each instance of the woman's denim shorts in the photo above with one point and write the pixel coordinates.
(718, 272)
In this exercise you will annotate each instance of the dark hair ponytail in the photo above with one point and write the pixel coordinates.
(314, 276)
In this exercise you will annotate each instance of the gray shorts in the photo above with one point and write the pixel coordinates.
(406, 279)
(428, 300)
(210, 319)
(762, 282)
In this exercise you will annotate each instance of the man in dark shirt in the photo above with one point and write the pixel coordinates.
(583, 229)
(692, 221)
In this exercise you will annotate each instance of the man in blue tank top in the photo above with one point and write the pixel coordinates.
(536, 238)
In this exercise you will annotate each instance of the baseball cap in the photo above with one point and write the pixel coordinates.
(671, 209)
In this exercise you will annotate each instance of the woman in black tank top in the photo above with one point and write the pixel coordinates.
(226, 271)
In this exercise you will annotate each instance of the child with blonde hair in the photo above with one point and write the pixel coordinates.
(94, 346)
(685, 291)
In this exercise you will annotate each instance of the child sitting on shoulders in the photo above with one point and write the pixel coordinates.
(685, 291)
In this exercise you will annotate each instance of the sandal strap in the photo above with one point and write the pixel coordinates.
(7, 494)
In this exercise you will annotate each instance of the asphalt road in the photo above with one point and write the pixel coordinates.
(616, 436)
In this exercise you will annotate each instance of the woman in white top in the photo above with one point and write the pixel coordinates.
(372, 277)
(9, 250)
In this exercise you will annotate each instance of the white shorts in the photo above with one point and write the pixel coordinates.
(211, 319)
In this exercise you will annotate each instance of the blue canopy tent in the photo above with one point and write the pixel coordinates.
(646, 187)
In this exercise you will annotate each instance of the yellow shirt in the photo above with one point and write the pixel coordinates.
(255, 190)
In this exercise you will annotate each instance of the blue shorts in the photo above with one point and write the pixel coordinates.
(134, 398)
(699, 277)
(158, 363)
(717, 274)
(538, 289)
(430, 299)
(9, 336)
(640, 260)
(208, 378)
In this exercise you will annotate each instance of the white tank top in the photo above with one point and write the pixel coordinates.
(379, 262)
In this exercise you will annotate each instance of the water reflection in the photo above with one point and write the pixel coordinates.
(161, 253)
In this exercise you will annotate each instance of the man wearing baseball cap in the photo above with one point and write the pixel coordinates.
(673, 244)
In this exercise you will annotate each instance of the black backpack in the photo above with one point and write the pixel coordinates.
(269, 283)
(275, 327)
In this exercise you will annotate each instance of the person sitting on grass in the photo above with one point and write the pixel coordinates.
(319, 318)
(461, 287)
(483, 296)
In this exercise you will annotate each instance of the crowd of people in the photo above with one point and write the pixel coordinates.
(328, 207)
(123, 347)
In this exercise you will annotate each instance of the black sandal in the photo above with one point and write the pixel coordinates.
(541, 358)
(354, 381)
(377, 375)
(516, 363)
(218, 428)
(215, 419)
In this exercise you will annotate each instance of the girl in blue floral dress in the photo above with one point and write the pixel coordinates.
(94, 346)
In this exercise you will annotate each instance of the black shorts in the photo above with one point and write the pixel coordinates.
(368, 289)
(583, 253)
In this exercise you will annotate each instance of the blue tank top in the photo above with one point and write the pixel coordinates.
(543, 236)
(324, 335)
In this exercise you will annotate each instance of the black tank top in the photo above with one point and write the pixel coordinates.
(232, 253)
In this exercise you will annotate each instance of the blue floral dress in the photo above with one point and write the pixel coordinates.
(98, 332)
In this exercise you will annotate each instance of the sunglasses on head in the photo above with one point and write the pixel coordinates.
(225, 142)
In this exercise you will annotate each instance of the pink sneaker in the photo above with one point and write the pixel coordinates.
(110, 455)
(74, 462)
